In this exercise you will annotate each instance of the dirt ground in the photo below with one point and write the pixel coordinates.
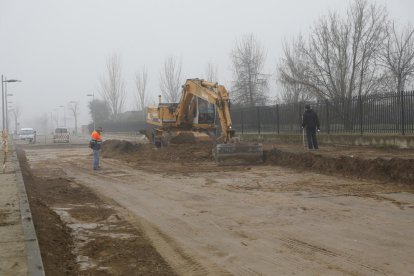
(383, 164)
(336, 211)
(79, 234)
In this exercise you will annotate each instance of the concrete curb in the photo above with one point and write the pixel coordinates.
(34, 259)
(375, 140)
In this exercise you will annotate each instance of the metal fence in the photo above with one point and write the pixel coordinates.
(384, 113)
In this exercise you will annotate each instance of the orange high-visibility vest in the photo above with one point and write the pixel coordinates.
(96, 136)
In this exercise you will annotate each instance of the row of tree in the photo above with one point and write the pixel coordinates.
(113, 92)
(359, 53)
(249, 88)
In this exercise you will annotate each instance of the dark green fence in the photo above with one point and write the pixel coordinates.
(383, 113)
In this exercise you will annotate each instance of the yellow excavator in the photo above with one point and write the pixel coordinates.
(194, 118)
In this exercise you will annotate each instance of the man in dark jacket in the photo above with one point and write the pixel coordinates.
(310, 122)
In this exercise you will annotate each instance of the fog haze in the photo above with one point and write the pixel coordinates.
(59, 48)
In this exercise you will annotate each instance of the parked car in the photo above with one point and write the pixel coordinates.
(27, 134)
(61, 135)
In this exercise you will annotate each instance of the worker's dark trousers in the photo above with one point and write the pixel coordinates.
(311, 136)
(95, 159)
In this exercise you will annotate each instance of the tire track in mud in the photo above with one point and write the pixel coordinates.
(311, 252)
(334, 258)
(182, 261)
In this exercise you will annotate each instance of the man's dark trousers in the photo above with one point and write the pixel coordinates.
(311, 136)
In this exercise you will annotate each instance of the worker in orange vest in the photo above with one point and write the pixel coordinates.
(96, 144)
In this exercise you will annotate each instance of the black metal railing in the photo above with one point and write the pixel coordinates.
(382, 113)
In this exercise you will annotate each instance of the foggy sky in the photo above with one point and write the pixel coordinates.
(59, 48)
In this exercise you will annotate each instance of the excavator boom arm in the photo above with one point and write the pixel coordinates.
(212, 93)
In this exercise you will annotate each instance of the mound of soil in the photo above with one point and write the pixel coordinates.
(183, 138)
(183, 153)
(390, 170)
(111, 147)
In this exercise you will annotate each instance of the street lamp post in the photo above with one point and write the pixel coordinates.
(4, 100)
(92, 109)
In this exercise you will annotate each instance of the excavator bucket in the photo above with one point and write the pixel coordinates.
(147, 133)
(239, 153)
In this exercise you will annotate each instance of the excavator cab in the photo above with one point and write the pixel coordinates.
(201, 114)
(206, 112)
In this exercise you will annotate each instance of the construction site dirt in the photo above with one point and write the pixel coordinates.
(339, 210)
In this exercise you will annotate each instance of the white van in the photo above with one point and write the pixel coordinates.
(27, 134)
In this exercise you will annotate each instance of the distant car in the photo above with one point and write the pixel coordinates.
(27, 134)
(61, 135)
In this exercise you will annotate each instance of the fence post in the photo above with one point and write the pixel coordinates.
(327, 117)
(277, 118)
(242, 122)
(258, 119)
(402, 114)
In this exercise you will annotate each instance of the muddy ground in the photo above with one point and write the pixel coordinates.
(79, 234)
(384, 164)
(337, 211)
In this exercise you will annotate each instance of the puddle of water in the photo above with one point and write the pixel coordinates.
(83, 226)
(63, 214)
(83, 234)
(120, 236)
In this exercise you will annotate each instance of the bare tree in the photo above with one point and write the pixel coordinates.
(398, 55)
(369, 31)
(74, 109)
(170, 79)
(340, 59)
(248, 59)
(112, 85)
(141, 97)
(290, 68)
(211, 72)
